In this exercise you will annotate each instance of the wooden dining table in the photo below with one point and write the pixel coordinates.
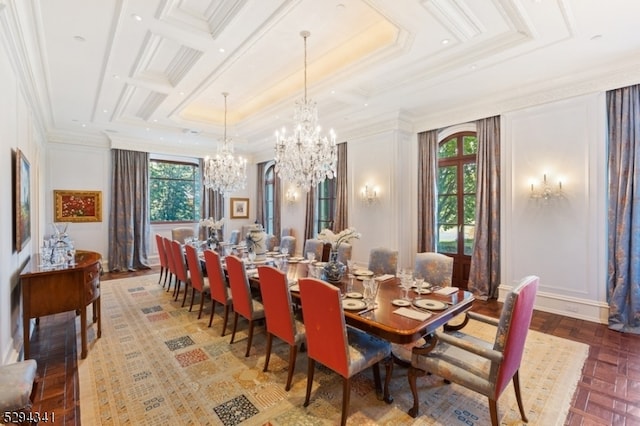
(382, 321)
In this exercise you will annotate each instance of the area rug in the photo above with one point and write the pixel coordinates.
(156, 363)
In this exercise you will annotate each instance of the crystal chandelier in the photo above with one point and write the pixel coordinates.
(225, 173)
(305, 158)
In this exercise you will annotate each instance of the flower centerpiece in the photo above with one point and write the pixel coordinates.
(213, 229)
(334, 269)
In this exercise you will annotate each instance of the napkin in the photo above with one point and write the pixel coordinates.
(410, 313)
(446, 290)
(384, 277)
(252, 271)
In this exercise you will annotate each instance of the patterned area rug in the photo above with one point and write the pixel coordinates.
(156, 363)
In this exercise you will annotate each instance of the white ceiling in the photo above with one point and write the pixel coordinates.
(160, 78)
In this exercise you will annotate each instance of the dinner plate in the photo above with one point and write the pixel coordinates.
(363, 272)
(292, 260)
(294, 287)
(400, 302)
(353, 304)
(273, 253)
(433, 305)
(354, 295)
(422, 290)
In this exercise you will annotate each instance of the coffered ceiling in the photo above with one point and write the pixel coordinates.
(154, 70)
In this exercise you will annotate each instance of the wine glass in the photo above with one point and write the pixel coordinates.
(284, 251)
(406, 282)
(311, 256)
(252, 257)
(420, 285)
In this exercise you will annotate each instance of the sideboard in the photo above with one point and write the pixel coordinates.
(52, 290)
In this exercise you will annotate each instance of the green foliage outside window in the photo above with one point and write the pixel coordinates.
(174, 190)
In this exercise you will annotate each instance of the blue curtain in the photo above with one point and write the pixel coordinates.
(623, 281)
(129, 225)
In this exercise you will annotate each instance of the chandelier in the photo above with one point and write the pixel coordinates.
(305, 158)
(224, 173)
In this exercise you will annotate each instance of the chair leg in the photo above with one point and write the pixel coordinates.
(388, 365)
(176, 290)
(193, 294)
(311, 365)
(213, 308)
(235, 324)
(346, 396)
(516, 386)
(226, 317)
(201, 305)
(268, 354)
(166, 274)
(293, 352)
(376, 380)
(412, 375)
(186, 290)
(251, 324)
(161, 272)
(493, 411)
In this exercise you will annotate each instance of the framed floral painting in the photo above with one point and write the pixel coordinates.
(22, 201)
(78, 206)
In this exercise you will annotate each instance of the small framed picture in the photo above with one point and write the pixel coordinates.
(78, 206)
(239, 208)
(22, 224)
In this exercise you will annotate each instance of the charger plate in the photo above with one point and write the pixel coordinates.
(353, 304)
(432, 305)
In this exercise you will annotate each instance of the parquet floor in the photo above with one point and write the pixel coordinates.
(607, 394)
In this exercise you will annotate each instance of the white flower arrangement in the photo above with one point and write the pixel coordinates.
(212, 224)
(343, 236)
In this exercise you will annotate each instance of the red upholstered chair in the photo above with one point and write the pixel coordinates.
(182, 272)
(243, 303)
(485, 367)
(168, 249)
(162, 256)
(278, 311)
(199, 283)
(220, 291)
(345, 350)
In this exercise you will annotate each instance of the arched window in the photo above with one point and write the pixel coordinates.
(457, 201)
(269, 198)
(325, 204)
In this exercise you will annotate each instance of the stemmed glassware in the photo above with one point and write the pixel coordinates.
(252, 258)
(284, 251)
(406, 282)
(369, 294)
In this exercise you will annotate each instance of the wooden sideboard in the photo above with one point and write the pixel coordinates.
(47, 291)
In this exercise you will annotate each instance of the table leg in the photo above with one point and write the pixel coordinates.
(83, 331)
(26, 326)
(99, 311)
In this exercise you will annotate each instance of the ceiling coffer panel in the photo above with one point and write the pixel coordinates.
(163, 61)
(150, 104)
(211, 17)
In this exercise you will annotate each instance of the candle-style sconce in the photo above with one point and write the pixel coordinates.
(291, 196)
(545, 191)
(369, 194)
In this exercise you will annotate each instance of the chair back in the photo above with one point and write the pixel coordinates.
(271, 242)
(234, 238)
(344, 252)
(195, 270)
(290, 243)
(284, 232)
(435, 268)
(383, 261)
(180, 233)
(315, 246)
(513, 326)
(276, 299)
(179, 261)
(324, 324)
(168, 249)
(239, 283)
(162, 254)
(217, 281)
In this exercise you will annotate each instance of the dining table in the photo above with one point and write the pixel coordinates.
(394, 318)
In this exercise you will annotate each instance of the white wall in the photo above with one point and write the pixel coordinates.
(563, 241)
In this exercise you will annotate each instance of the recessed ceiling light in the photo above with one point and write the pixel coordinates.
(366, 104)
(221, 50)
(333, 92)
(105, 110)
(445, 41)
(84, 125)
(473, 67)
(181, 93)
(596, 37)
(116, 76)
(136, 17)
(79, 38)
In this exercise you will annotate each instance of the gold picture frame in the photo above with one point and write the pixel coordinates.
(239, 208)
(22, 203)
(78, 206)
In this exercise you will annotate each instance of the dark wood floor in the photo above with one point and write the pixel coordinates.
(607, 394)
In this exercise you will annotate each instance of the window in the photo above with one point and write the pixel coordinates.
(174, 191)
(457, 194)
(269, 198)
(325, 204)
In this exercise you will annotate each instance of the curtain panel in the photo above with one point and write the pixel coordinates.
(484, 273)
(623, 275)
(129, 223)
(427, 189)
(212, 207)
(341, 216)
(260, 215)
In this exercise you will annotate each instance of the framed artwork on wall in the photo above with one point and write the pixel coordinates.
(239, 208)
(22, 222)
(78, 206)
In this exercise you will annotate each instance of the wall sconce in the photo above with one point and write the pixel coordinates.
(545, 191)
(291, 196)
(369, 194)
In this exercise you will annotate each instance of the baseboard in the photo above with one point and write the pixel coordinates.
(571, 307)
